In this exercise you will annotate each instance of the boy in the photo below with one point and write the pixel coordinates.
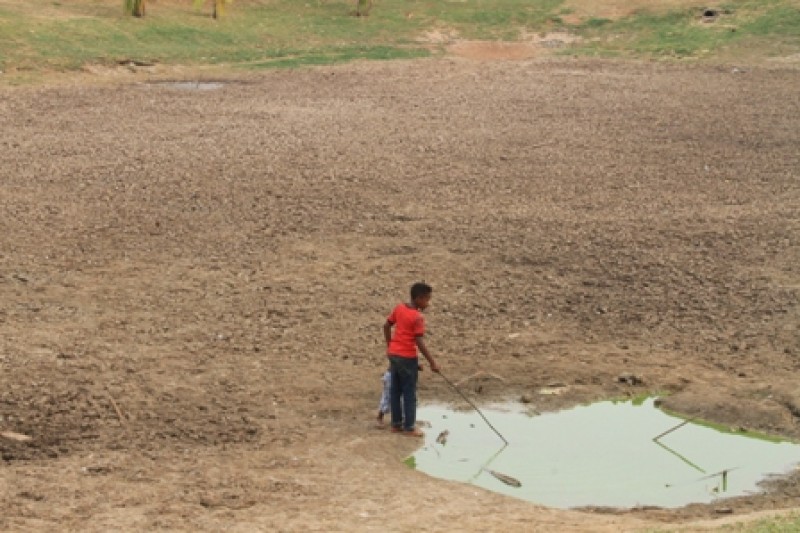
(402, 346)
(386, 397)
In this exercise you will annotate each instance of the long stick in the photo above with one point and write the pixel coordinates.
(472, 405)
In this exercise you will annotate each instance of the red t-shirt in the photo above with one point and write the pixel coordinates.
(408, 325)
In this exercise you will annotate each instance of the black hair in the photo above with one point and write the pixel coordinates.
(420, 289)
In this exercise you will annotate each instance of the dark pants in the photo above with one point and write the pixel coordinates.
(404, 391)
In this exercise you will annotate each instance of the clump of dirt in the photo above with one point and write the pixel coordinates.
(494, 50)
(530, 45)
(439, 36)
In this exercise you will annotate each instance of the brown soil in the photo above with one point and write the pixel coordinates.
(494, 51)
(193, 283)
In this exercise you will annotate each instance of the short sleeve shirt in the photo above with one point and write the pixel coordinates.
(408, 325)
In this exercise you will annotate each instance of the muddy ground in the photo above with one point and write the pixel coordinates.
(193, 283)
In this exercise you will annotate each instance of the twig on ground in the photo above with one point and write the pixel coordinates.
(11, 435)
(116, 408)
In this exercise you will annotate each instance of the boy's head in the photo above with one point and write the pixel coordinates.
(421, 294)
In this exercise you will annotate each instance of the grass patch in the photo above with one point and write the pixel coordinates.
(285, 59)
(783, 524)
(42, 35)
(771, 26)
(37, 35)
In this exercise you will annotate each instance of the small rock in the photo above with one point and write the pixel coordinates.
(723, 510)
(552, 391)
(630, 379)
(526, 398)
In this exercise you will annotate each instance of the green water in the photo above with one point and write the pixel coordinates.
(601, 454)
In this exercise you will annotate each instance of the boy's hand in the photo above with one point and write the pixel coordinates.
(434, 367)
(420, 368)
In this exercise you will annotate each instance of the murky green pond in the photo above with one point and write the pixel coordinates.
(602, 454)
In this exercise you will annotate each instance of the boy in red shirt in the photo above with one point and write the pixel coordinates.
(409, 329)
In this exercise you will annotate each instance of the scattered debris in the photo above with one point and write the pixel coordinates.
(630, 379)
(442, 438)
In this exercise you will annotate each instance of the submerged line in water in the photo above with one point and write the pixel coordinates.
(670, 430)
(488, 462)
(679, 456)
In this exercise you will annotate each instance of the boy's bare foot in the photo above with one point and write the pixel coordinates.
(416, 432)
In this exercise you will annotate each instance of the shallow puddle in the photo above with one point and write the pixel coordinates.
(602, 454)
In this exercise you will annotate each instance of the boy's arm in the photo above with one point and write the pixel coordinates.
(387, 332)
(426, 353)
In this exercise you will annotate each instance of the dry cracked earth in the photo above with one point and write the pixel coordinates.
(193, 283)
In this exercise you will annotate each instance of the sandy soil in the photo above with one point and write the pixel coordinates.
(193, 283)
